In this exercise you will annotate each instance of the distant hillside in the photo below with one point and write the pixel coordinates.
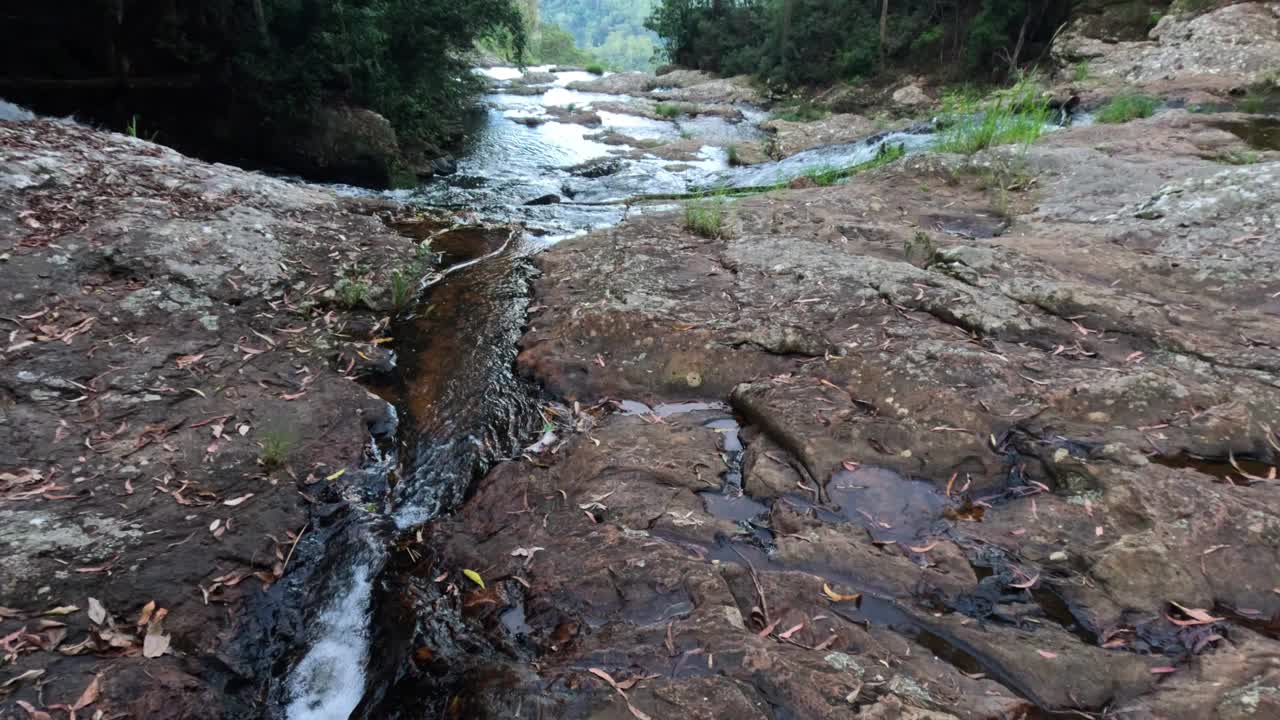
(611, 30)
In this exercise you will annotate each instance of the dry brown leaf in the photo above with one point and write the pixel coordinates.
(1047, 655)
(236, 501)
(32, 712)
(604, 676)
(145, 616)
(794, 629)
(1198, 616)
(923, 548)
(89, 696)
(1029, 582)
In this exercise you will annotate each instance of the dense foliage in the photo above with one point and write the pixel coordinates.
(805, 42)
(272, 60)
(611, 30)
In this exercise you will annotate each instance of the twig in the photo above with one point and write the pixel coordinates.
(292, 547)
(755, 580)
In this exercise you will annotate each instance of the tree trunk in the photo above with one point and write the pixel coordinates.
(884, 28)
(1022, 38)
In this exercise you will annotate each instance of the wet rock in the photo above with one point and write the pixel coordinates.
(597, 168)
(550, 199)
(791, 137)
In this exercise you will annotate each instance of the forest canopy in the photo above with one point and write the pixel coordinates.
(613, 31)
(809, 42)
(252, 63)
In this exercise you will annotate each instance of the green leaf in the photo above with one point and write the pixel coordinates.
(474, 577)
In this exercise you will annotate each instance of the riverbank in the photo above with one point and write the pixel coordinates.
(964, 437)
(179, 397)
(986, 436)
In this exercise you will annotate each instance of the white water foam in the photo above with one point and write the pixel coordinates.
(330, 680)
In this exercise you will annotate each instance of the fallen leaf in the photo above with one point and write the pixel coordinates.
(794, 629)
(1047, 655)
(1163, 670)
(89, 696)
(1029, 582)
(145, 616)
(33, 712)
(603, 676)
(155, 644)
(474, 577)
(768, 628)
(336, 475)
(62, 610)
(923, 548)
(28, 675)
(97, 613)
(839, 597)
(1198, 616)
(236, 501)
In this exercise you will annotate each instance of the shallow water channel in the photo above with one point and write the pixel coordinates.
(458, 403)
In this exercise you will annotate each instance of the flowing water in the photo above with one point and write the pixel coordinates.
(460, 406)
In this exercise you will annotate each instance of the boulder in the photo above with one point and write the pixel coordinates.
(911, 96)
(1238, 44)
(343, 144)
(549, 199)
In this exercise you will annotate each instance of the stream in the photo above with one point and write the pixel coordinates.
(459, 406)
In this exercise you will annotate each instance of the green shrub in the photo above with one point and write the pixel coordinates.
(351, 293)
(668, 110)
(1129, 106)
(707, 217)
(595, 69)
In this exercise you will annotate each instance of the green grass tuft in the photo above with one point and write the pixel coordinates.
(1080, 71)
(1253, 103)
(802, 112)
(276, 447)
(1015, 115)
(402, 289)
(707, 217)
(1124, 108)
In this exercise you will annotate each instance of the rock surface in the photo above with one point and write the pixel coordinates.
(791, 137)
(176, 384)
(920, 445)
(1236, 45)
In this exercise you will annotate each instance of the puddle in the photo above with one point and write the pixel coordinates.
(890, 506)
(631, 407)
(1258, 133)
(1254, 619)
(1220, 469)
